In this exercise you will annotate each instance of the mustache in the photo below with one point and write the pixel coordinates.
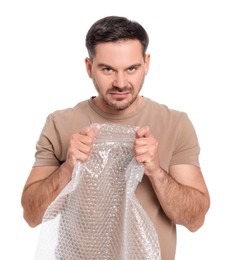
(118, 89)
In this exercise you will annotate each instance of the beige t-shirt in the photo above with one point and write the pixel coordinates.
(178, 144)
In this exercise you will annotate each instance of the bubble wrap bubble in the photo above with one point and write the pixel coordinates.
(97, 215)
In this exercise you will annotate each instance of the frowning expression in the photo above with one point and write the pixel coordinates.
(118, 70)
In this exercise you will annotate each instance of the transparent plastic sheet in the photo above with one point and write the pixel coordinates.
(97, 215)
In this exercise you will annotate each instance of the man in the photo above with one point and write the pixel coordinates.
(173, 190)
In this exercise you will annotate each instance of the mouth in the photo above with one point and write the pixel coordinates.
(119, 94)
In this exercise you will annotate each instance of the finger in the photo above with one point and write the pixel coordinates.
(86, 131)
(84, 137)
(143, 132)
(143, 158)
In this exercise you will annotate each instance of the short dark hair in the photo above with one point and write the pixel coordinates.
(115, 28)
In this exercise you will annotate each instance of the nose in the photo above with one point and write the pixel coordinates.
(120, 80)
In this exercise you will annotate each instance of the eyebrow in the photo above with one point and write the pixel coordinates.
(101, 65)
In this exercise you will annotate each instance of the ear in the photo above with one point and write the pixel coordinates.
(147, 62)
(88, 64)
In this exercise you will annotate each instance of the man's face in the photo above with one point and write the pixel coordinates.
(118, 70)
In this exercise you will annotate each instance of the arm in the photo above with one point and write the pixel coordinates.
(45, 183)
(182, 192)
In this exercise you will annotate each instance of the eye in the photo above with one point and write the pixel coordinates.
(131, 69)
(107, 70)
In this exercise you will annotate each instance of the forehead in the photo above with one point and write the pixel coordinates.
(123, 51)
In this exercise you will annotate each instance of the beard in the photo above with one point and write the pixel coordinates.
(118, 104)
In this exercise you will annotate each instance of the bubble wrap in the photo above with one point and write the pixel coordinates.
(97, 215)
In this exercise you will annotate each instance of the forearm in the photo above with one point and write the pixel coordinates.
(182, 204)
(38, 195)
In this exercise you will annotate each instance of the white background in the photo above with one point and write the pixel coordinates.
(42, 69)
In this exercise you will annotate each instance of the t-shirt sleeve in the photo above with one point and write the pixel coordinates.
(187, 147)
(47, 147)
